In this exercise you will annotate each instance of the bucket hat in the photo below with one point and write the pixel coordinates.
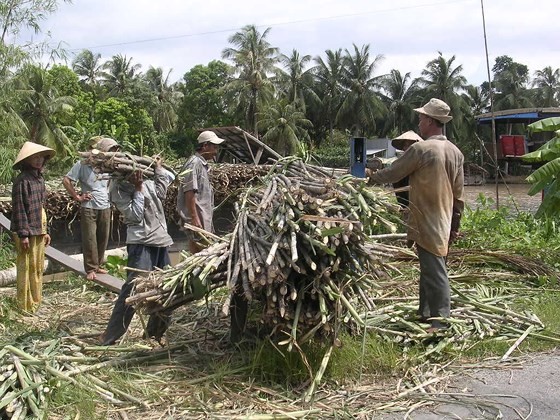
(29, 149)
(436, 109)
(209, 136)
(408, 137)
(104, 144)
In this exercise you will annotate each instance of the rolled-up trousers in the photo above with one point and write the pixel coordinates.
(145, 258)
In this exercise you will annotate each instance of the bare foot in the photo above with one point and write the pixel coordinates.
(91, 275)
(101, 271)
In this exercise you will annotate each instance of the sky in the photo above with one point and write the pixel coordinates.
(179, 34)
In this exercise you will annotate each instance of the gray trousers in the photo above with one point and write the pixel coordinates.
(95, 226)
(434, 287)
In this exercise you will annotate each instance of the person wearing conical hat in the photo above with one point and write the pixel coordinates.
(403, 142)
(435, 170)
(95, 207)
(29, 223)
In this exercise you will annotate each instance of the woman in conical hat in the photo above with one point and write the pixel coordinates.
(29, 223)
(403, 142)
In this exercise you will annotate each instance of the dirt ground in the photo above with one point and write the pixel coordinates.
(526, 388)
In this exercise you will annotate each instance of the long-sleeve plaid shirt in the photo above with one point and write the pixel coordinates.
(28, 198)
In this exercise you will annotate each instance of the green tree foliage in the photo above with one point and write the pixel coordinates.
(329, 89)
(285, 127)
(203, 104)
(547, 82)
(296, 80)
(118, 74)
(510, 83)
(443, 80)
(361, 103)
(42, 108)
(164, 114)
(253, 58)
(16, 16)
(89, 68)
(400, 94)
(475, 101)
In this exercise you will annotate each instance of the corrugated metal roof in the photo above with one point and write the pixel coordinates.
(521, 115)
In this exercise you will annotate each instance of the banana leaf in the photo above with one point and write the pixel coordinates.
(550, 204)
(545, 153)
(547, 124)
(548, 171)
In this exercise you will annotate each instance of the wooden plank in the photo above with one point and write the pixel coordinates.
(106, 280)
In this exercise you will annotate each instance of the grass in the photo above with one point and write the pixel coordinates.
(70, 402)
(7, 250)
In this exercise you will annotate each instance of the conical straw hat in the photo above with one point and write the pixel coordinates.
(29, 149)
(409, 137)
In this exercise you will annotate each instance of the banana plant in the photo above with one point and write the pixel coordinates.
(547, 176)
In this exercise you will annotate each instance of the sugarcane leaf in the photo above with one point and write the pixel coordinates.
(332, 231)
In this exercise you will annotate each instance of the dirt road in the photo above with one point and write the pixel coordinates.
(526, 388)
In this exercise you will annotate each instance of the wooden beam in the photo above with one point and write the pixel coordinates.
(255, 162)
(106, 280)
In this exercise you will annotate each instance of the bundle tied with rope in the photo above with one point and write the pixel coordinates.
(301, 247)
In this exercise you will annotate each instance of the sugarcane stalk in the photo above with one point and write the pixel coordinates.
(308, 396)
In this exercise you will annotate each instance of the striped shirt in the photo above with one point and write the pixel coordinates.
(28, 198)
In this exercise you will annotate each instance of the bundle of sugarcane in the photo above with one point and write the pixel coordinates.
(300, 246)
(119, 164)
(31, 369)
(227, 178)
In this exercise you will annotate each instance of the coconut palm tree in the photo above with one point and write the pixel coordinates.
(443, 80)
(164, 115)
(296, 82)
(253, 59)
(547, 81)
(285, 127)
(118, 73)
(88, 67)
(510, 82)
(440, 79)
(328, 77)
(362, 103)
(400, 95)
(40, 107)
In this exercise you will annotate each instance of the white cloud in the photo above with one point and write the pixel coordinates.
(180, 34)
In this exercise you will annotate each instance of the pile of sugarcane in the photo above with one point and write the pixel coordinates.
(300, 247)
(119, 164)
(31, 369)
(228, 178)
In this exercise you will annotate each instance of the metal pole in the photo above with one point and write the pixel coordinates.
(494, 139)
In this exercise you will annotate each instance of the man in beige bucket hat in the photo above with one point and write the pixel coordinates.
(435, 171)
(29, 223)
(95, 208)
